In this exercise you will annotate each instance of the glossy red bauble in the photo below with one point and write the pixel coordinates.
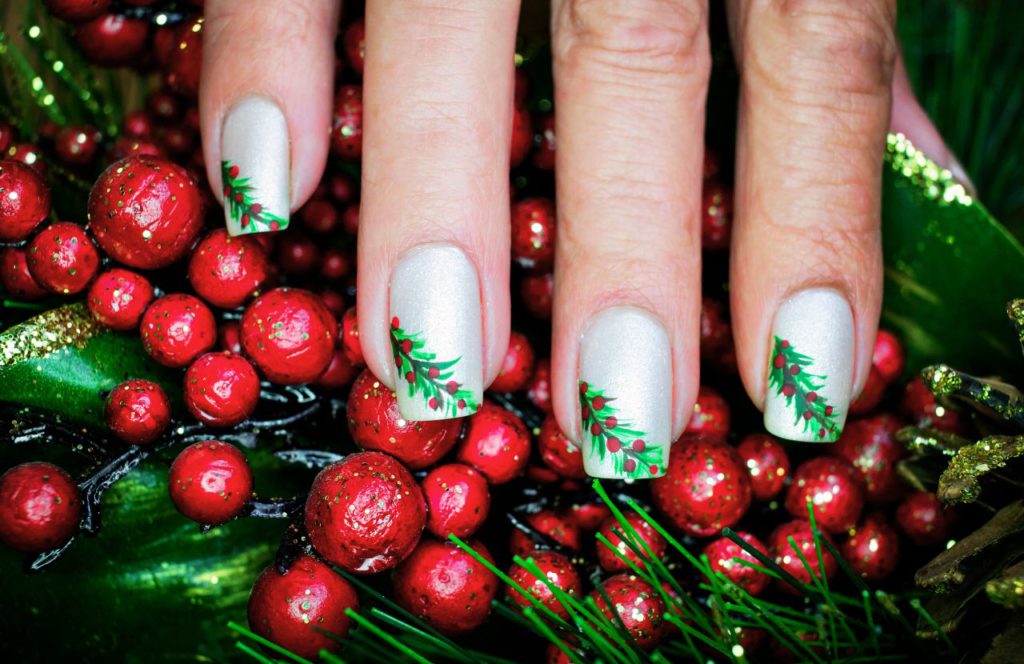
(138, 124)
(458, 500)
(185, 60)
(638, 605)
(145, 211)
(872, 550)
(297, 254)
(289, 334)
(711, 415)
(302, 609)
(544, 155)
(77, 145)
(319, 215)
(557, 570)
(522, 135)
(558, 452)
(706, 486)
(349, 337)
(647, 539)
(516, 367)
(221, 389)
(376, 424)
(76, 11)
(226, 271)
(871, 395)
(920, 406)
(446, 587)
(62, 258)
(724, 555)
(922, 517)
(833, 489)
(25, 201)
(716, 216)
(29, 155)
(112, 40)
(210, 482)
(16, 278)
(589, 516)
(533, 233)
(888, 356)
(715, 332)
(335, 265)
(229, 336)
(538, 390)
(366, 513)
(39, 507)
(354, 40)
(347, 126)
(138, 411)
(787, 558)
(176, 329)
(871, 447)
(538, 293)
(118, 298)
(558, 527)
(339, 372)
(496, 442)
(766, 460)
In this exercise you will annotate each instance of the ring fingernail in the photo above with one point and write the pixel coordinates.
(255, 167)
(436, 334)
(625, 392)
(810, 367)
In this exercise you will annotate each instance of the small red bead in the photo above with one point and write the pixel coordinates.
(522, 135)
(638, 605)
(538, 391)
(871, 395)
(767, 462)
(118, 298)
(544, 156)
(226, 271)
(558, 527)
(210, 482)
(39, 507)
(338, 374)
(62, 258)
(711, 414)
(533, 234)
(16, 278)
(516, 367)
(788, 559)
(722, 556)
(559, 453)
(872, 550)
(221, 389)
(297, 253)
(176, 329)
(349, 331)
(648, 539)
(555, 569)
(185, 64)
(538, 293)
(888, 356)
(319, 215)
(289, 335)
(871, 447)
(112, 40)
(138, 411)
(335, 265)
(458, 500)
(496, 442)
(77, 11)
(229, 336)
(354, 41)
(77, 146)
(922, 517)
(716, 219)
(347, 125)
(920, 406)
(834, 490)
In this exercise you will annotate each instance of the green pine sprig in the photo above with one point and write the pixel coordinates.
(789, 377)
(239, 196)
(428, 377)
(631, 454)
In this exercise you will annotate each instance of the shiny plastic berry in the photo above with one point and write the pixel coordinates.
(366, 513)
(376, 424)
(77, 145)
(185, 61)
(16, 278)
(128, 146)
(638, 605)
(787, 558)
(112, 40)
(221, 389)
(458, 500)
(335, 264)
(767, 462)
(533, 233)
(920, 406)
(516, 367)
(871, 395)
(549, 527)
(6, 135)
(354, 40)
(62, 258)
(39, 507)
(544, 155)
(834, 490)
(303, 608)
(870, 445)
(339, 372)
(138, 411)
(319, 215)
(888, 356)
(76, 11)
(349, 337)
(646, 539)
(715, 332)
(496, 442)
(446, 587)
(226, 271)
(538, 390)
(722, 556)
(559, 453)
(589, 516)
(716, 216)
(711, 414)
(176, 329)
(210, 482)
(873, 549)
(145, 211)
(922, 517)
(289, 334)
(297, 254)
(30, 155)
(706, 486)
(347, 126)
(118, 298)
(557, 570)
(164, 105)
(229, 336)
(24, 200)
(138, 124)
(334, 301)
(522, 135)
(538, 293)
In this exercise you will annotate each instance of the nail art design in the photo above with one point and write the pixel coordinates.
(791, 379)
(428, 378)
(626, 448)
(255, 167)
(242, 207)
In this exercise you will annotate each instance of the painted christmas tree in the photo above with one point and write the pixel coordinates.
(789, 378)
(427, 376)
(632, 455)
(239, 197)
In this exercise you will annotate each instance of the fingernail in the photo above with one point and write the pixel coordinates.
(625, 391)
(255, 167)
(810, 367)
(436, 334)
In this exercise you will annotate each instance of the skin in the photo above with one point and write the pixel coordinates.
(817, 79)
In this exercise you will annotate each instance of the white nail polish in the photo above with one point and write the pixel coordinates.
(810, 367)
(255, 167)
(436, 334)
(625, 393)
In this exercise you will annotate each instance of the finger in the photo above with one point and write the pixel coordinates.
(264, 105)
(630, 85)
(434, 229)
(806, 262)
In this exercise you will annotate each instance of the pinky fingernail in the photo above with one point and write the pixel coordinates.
(255, 167)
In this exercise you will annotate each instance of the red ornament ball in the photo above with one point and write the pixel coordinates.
(638, 605)
(221, 389)
(138, 124)
(338, 374)
(229, 336)
(30, 155)
(376, 424)
(24, 201)
(710, 414)
(706, 486)
(118, 298)
(548, 526)
(210, 482)
(834, 490)
(354, 41)
(516, 367)
(558, 452)
(226, 271)
(724, 555)
(16, 278)
(544, 155)
(533, 234)
(292, 608)
(62, 258)
(349, 337)
(347, 126)
(922, 517)
(647, 539)
(39, 507)
(767, 462)
(871, 447)
(185, 61)
(289, 334)
(872, 550)
(112, 40)
(145, 211)
(176, 329)
(589, 516)
(538, 293)
(538, 391)
(366, 513)
(888, 356)
(335, 265)
(77, 145)
(522, 135)
(76, 11)
(138, 411)
(557, 570)
(297, 254)
(715, 332)
(716, 216)
(458, 500)
(496, 442)
(871, 395)
(319, 215)
(920, 406)
(787, 558)
(446, 587)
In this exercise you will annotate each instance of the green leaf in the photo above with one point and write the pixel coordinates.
(64, 362)
(950, 269)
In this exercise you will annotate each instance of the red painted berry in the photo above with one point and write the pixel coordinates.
(646, 539)
(210, 482)
(556, 570)
(339, 372)
(349, 337)
(221, 389)
(226, 271)
(722, 556)
(871, 447)
(559, 453)
(711, 415)
(871, 395)
(347, 126)
(638, 605)
(538, 391)
(289, 334)
(715, 331)
(62, 258)
(176, 329)
(873, 549)
(229, 336)
(522, 135)
(544, 155)
(184, 65)
(558, 527)
(77, 145)
(76, 11)
(923, 410)
(533, 234)
(766, 460)
(538, 293)
(589, 516)
(138, 124)
(24, 200)
(39, 507)
(613, 443)
(458, 500)
(302, 609)
(16, 278)
(922, 517)
(833, 489)
(366, 513)
(888, 356)
(716, 219)
(788, 390)
(138, 411)
(786, 556)
(30, 155)
(118, 298)
(496, 443)
(516, 367)
(354, 40)
(112, 40)
(779, 361)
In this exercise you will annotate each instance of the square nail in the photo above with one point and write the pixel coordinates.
(436, 334)
(255, 167)
(810, 367)
(625, 391)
